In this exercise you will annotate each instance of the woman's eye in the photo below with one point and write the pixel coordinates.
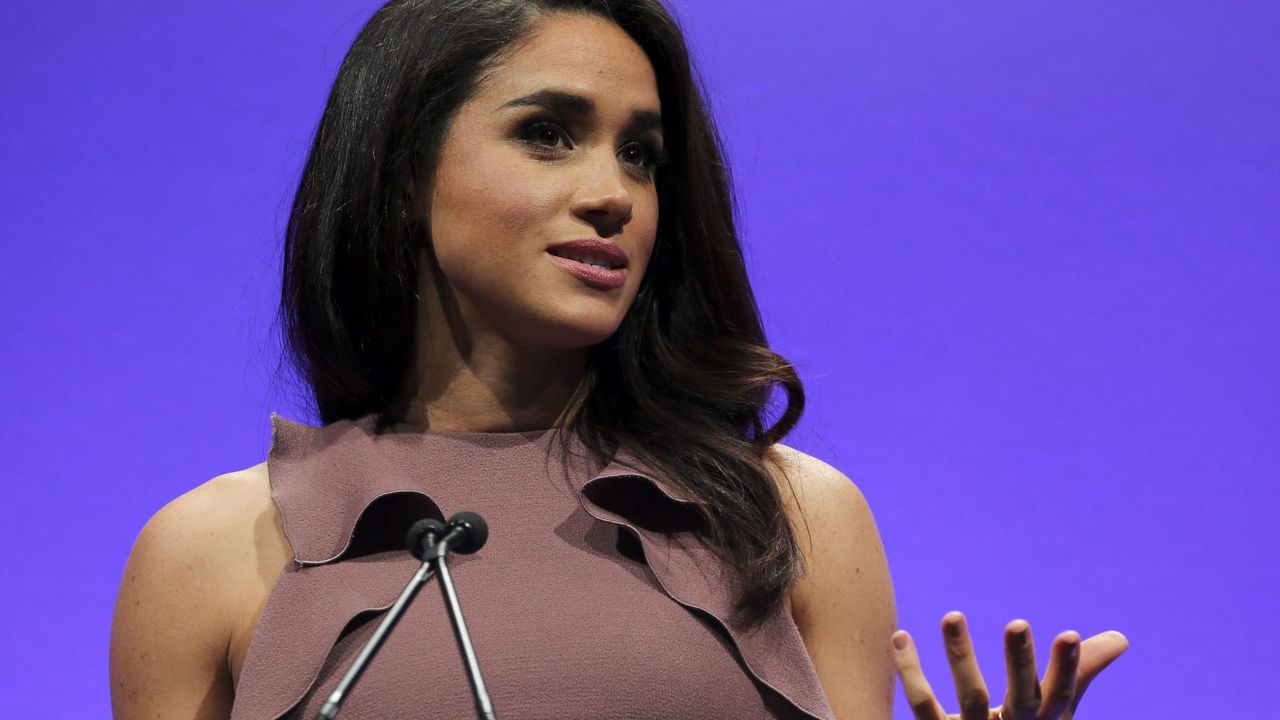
(645, 154)
(544, 135)
(636, 153)
(550, 138)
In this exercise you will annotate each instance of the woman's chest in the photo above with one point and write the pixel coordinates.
(563, 619)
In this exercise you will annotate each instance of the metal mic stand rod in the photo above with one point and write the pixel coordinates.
(334, 703)
(484, 708)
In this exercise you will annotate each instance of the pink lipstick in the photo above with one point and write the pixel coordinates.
(597, 262)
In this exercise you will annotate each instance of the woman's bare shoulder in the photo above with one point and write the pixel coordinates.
(210, 526)
(843, 605)
(812, 489)
(189, 579)
(236, 501)
(230, 497)
(219, 522)
(833, 525)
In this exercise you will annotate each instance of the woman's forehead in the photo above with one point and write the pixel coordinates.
(576, 54)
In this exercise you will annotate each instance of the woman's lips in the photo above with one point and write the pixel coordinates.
(601, 277)
(596, 261)
(591, 250)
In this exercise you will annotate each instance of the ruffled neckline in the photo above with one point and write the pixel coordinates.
(625, 492)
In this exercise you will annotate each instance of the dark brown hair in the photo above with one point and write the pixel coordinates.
(688, 380)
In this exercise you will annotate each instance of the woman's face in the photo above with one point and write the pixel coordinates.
(556, 145)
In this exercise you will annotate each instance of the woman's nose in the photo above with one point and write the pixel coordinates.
(603, 199)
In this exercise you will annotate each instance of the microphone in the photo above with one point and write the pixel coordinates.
(430, 541)
(466, 533)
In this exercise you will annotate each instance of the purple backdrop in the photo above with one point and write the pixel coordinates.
(1026, 257)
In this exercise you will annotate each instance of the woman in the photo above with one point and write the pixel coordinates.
(514, 235)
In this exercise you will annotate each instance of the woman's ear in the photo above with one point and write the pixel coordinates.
(409, 211)
(410, 214)
(415, 213)
(408, 208)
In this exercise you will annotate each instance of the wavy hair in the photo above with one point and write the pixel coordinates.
(688, 381)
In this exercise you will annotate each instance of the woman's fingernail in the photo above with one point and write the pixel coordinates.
(900, 641)
(955, 628)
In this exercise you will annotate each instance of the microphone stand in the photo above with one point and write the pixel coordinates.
(469, 531)
(484, 708)
(338, 696)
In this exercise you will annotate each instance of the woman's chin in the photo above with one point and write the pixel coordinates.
(580, 337)
(568, 333)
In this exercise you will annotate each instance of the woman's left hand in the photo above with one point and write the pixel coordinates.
(1072, 666)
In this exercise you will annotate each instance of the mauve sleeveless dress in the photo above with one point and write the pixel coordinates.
(592, 599)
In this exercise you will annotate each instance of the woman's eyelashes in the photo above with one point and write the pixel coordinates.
(549, 138)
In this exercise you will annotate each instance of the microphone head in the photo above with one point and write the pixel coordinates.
(416, 539)
(475, 532)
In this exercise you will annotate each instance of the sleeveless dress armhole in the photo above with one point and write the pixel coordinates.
(335, 579)
(692, 575)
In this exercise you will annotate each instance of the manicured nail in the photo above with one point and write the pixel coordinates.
(955, 628)
(1020, 637)
(900, 641)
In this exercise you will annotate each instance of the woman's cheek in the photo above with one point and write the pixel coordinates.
(521, 203)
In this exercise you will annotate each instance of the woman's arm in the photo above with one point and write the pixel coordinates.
(175, 611)
(843, 606)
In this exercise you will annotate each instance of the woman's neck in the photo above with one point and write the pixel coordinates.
(496, 387)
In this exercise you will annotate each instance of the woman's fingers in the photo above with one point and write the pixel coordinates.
(1096, 653)
(924, 706)
(970, 688)
(1072, 666)
(1060, 677)
(1022, 700)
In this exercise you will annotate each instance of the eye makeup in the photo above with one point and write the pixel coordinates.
(536, 131)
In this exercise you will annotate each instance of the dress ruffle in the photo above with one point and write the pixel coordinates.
(340, 578)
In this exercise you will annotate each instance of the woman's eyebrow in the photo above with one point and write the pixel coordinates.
(573, 104)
